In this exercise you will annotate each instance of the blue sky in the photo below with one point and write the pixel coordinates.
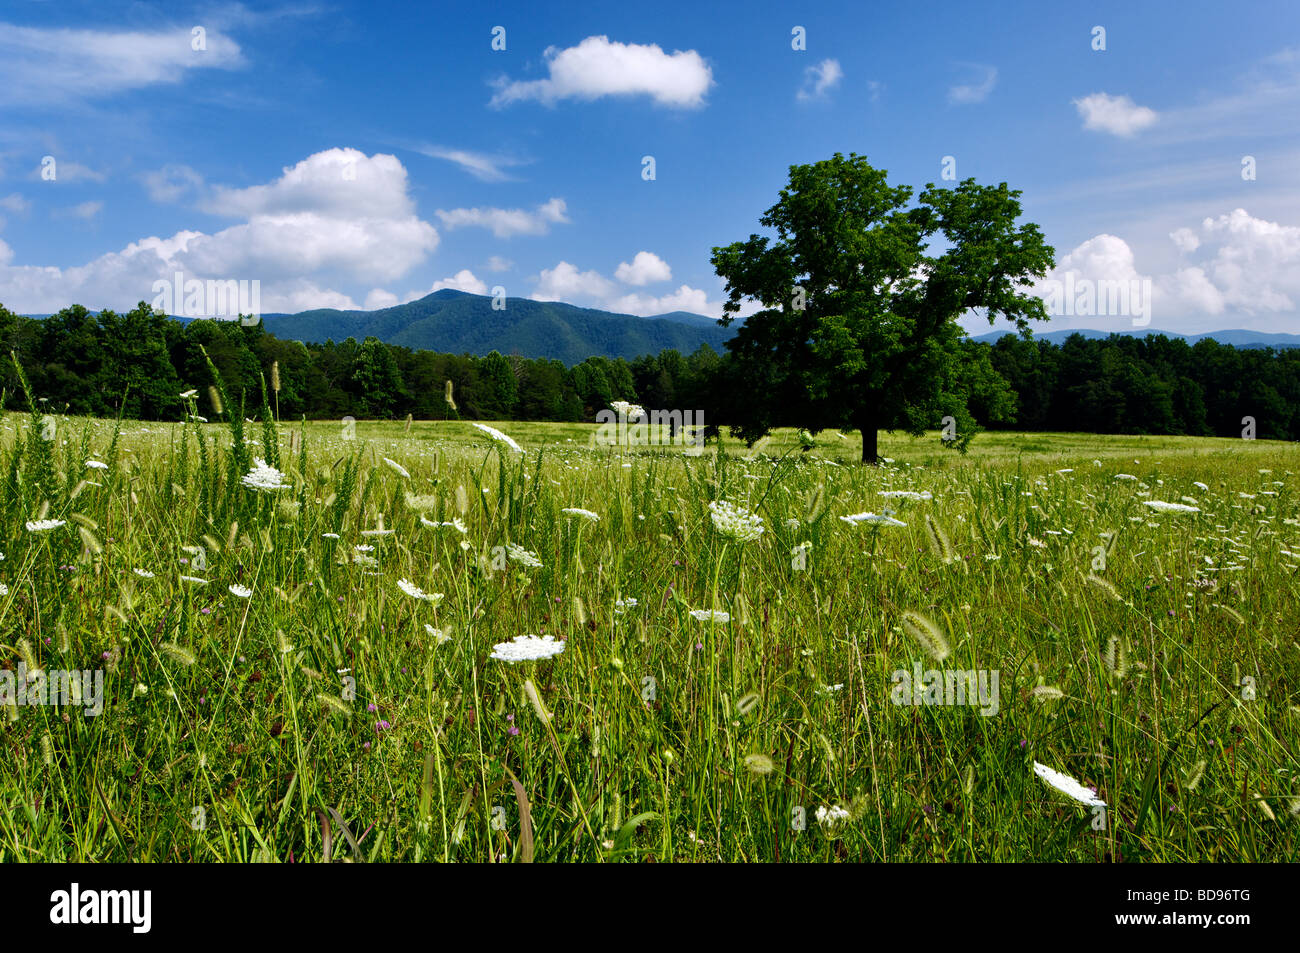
(359, 155)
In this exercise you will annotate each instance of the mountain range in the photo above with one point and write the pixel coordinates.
(457, 322)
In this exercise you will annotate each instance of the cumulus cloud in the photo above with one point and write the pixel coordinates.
(41, 65)
(378, 298)
(565, 282)
(1233, 265)
(977, 92)
(599, 67)
(1118, 115)
(497, 263)
(338, 213)
(819, 79)
(463, 280)
(645, 268)
(505, 222)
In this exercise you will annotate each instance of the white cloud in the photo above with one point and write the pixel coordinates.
(826, 75)
(379, 298)
(597, 67)
(966, 93)
(463, 280)
(565, 283)
(40, 65)
(685, 298)
(497, 263)
(310, 221)
(1185, 239)
(86, 210)
(486, 168)
(66, 171)
(505, 222)
(15, 203)
(173, 183)
(645, 268)
(1118, 115)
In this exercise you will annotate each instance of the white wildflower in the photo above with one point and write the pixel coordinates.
(1164, 507)
(527, 648)
(735, 522)
(415, 592)
(710, 615)
(882, 519)
(520, 555)
(242, 592)
(1068, 786)
(40, 526)
(585, 514)
(96, 465)
(265, 477)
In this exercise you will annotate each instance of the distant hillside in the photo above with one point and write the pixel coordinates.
(1238, 337)
(455, 322)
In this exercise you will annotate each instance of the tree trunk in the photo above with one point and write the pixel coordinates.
(869, 449)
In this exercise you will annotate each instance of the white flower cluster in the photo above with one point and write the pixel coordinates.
(1164, 507)
(710, 615)
(41, 526)
(883, 519)
(627, 411)
(735, 522)
(833, 817)
(415, 592)
(527, 648)
(585, 514)
(1068, 786)
(264, 477)
(521, 555)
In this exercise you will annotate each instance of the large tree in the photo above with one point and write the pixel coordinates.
(860, 296)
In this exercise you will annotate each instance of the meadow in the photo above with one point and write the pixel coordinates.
(301, 665)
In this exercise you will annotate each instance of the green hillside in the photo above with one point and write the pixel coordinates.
(455, 322)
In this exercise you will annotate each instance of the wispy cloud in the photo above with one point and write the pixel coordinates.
(505, 222)
(484, 167)
(39, 66)
(819, 79)
(599, 67)
(975, 92)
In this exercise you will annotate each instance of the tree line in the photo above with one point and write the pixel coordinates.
(138, 363)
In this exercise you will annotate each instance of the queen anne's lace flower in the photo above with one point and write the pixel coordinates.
(527, 648)
(578, 511)
(1164, 507)
(735, 522)
(241, 591)
(264, 477)
(884, 519)
(41, 526)
(96, 465)
(832, 817)
(627, 411)
(521, 555)
(415, 592)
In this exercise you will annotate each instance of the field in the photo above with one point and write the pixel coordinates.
(333, 706)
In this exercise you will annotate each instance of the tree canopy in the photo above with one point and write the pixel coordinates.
(861, 293)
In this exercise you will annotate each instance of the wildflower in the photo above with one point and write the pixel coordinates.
(735, 522)
(329, 535)
(142, 573)
(96, 465)
(415, 592)
(194, 579)
(1164, 507)
(833, 817)
(240, 591)
(397, 468)
(40, 526)
(188, 394)
(906, 495)
(263, 476)
(439, 636)
(527, 648)
(710, 615)
(1125, 476)
(626, 410)
(622, 605)
(1068, 786)
(498, 436)
(4, 590)
(520, 555)
(585, 514)
(880, 518)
